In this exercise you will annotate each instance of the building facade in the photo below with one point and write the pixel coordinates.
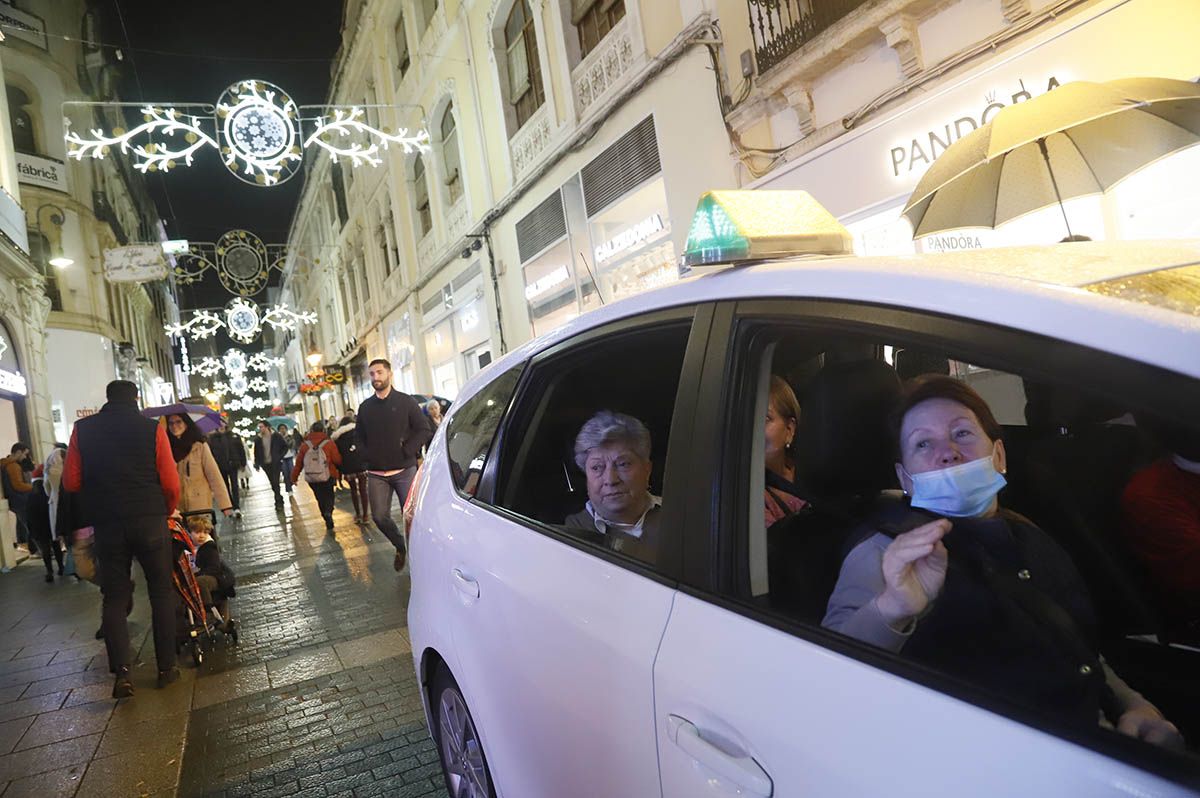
(570, 140)
(566, 137)
(92, 330)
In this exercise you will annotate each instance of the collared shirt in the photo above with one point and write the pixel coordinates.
(632, 530)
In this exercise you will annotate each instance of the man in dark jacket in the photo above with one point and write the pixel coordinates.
(17, 488)
(353, 467)
(121, 463)
(230, 456)
(391, 429)
(269, 451)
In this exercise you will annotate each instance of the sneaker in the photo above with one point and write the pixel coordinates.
(398, 562)
(49, 577)
(122, 686)
(237, 513)
(168, 676)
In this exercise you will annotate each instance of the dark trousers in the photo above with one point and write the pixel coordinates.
(380, 491)
(288, 464)
(117, 544)
(272, 470)
(50, 548)
(324, 493)
(17, 504)
(358, 493)
(231, 484)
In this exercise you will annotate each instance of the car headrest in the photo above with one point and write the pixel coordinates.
(1059, 409)
(915, 362)
(843, 443)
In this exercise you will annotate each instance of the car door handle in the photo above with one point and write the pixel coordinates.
(465, 584)
(742, 771)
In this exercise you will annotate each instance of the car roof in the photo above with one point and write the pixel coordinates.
(1075, 292)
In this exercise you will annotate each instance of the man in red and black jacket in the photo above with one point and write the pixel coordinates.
(121, 465)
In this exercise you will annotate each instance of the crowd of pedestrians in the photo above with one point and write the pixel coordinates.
(99, 503)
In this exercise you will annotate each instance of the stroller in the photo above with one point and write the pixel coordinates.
(196, 621)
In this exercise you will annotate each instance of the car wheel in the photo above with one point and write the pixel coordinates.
(459, 748)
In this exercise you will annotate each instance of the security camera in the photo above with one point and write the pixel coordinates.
(466, 253)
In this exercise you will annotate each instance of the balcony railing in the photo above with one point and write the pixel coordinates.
(781, 27)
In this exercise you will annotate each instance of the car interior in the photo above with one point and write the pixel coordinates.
(1070, 455)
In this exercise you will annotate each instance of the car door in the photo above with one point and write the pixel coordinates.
(755, 700)
(555, 634)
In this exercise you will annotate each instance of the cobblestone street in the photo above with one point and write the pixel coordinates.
(318, 698)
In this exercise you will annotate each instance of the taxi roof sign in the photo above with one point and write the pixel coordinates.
(732, 226)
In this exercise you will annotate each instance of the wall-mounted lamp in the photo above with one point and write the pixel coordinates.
(58, 258)
(314, 358)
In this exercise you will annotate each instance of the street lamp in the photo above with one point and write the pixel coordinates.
(314, 359)
(58, 258)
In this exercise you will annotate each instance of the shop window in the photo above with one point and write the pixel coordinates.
(542, 480)
(421, 197)
(451, 160)
(400, 35)
(525, 93)
(39, 253)
(24, 139)
(593, 19)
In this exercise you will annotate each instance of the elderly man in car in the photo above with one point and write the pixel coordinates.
(613, 451)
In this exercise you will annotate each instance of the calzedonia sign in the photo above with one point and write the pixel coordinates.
(38, 171)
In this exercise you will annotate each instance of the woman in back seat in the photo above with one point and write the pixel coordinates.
(781, 496)
(987, 596)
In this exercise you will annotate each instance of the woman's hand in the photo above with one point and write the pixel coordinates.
(914, 570)
(1145, 722)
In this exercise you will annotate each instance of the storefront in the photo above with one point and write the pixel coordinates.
(865, 176)
(14, 424)
(457, 331)
(400, 351)
(78, 391)
(609, 224)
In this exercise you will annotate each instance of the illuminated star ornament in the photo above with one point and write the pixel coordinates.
(258, 129)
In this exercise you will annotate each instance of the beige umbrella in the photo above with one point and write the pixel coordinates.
(1079, 139)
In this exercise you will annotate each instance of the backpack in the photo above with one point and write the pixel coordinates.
(316, 464)
(5, 482)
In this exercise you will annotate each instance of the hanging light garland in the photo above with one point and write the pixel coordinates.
(243, 321)
(257, 128)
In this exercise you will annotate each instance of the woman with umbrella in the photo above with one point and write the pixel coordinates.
(199, 477)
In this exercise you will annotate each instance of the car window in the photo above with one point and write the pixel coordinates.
(594, 425)
(472, 427)
(1067, 598)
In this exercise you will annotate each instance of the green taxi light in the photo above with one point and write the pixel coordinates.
(733, 226)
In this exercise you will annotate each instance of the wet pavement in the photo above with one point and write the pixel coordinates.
(318, 698)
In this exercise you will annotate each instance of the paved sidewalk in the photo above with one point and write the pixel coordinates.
(319, 698)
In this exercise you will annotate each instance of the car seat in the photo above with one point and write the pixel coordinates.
(1066, 473)
(844, 459)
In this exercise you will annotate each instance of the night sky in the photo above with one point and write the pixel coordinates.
(182, 51)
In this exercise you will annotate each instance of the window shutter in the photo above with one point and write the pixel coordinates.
(628, 162)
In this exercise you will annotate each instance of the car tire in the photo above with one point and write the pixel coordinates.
(459, 748)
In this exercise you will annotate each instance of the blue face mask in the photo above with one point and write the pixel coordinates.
(961, 491)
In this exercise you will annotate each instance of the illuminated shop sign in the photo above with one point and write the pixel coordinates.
(544, 284)
(11, 381)
(630, 238)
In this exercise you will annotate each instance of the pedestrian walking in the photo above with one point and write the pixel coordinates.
(38, 519)
(391, 429)
(318, 459)
(353, 468)
(289, 459)
(230, 456)
(200, 480)
(121, 464)
(269, 449)
(52, 473)
(16, 485)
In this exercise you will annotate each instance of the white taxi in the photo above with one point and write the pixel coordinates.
(699, 659)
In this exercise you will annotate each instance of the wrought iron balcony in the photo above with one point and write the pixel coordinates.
(781, 27)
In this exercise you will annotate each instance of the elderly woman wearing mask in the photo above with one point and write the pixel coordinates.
(613, 451)
(973, 590)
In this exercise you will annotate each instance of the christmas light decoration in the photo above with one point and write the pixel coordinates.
(243, 321)
(259, 384)
(242, 261)
(255, 126)
(207, 367)
(234, 361)
(202, 325)
(280, 318)
(261, 361)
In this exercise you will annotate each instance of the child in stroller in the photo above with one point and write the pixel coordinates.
(213, 576)
(195, 601)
